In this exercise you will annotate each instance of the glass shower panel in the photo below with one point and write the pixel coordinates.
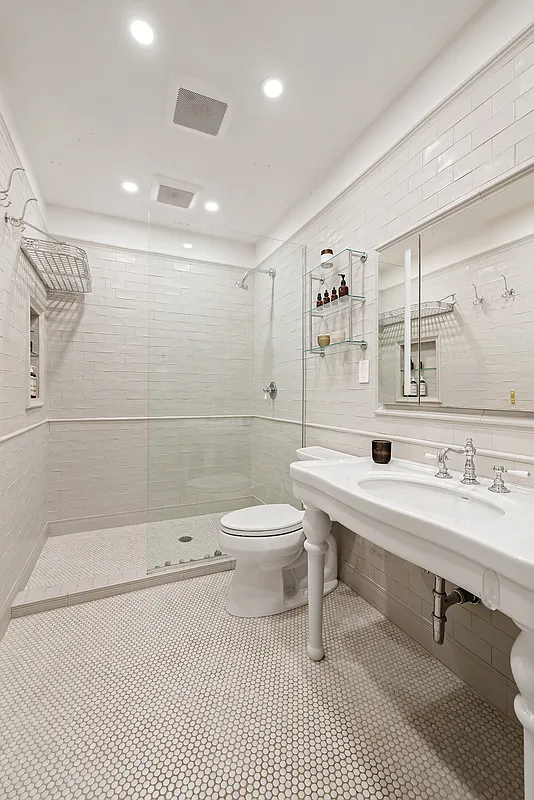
(205, 386)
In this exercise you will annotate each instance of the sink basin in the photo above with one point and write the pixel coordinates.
(435, 501)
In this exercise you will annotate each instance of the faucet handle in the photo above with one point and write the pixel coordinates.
(442, 459)
(498, 486)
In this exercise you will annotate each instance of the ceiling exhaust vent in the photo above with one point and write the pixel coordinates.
(199, 112)
(174, 197)
(174, 192)
(198, 106)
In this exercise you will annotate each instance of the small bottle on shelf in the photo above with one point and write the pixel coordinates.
(422, 382)
(319, 300)
(33, 382)
(343, 288)
(413, 387)
(326, 298)
(334, 294)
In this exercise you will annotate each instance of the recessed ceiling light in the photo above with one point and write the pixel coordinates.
(187, 245)
(211, 205)
(272, 87)
(130, 186)
(141, 31)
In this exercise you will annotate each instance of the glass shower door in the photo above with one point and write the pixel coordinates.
(213, 345)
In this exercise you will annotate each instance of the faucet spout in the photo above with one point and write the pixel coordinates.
(470, 475)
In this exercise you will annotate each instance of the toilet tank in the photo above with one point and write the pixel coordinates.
(322, 454)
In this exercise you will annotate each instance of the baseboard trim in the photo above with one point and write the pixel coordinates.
(486, 681)
(138, 517)
(34, 601)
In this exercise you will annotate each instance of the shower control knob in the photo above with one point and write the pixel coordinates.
(271, 390)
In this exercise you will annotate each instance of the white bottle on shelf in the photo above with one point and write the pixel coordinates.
(33, 382)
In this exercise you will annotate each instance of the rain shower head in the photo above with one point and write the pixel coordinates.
(242, 284)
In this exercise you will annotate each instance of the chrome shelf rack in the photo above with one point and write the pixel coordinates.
(62, 267)
(430, 308)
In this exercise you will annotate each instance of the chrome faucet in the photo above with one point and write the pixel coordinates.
(470, 475)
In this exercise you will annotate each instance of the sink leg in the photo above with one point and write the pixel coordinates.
(316, 526)
(522, 662)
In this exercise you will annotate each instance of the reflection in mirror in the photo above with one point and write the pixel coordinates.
(475, 311)
(399, 378)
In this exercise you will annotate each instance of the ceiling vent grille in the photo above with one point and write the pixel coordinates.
(174, 197)
(199, 112)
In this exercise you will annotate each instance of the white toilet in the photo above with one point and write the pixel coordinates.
(267, 542)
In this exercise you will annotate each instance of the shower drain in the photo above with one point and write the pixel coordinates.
(185, 539)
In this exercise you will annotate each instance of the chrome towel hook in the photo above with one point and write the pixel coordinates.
(478, 300)
(507, 292)
(4, 199)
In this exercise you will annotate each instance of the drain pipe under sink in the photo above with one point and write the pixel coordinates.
(442, 602)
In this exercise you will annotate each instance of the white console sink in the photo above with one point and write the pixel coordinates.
(481, 541)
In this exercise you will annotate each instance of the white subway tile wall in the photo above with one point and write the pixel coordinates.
(22, 458)
(483, 132)
(157, 337)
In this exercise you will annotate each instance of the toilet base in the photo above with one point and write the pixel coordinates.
(261, 608)
(259, 592)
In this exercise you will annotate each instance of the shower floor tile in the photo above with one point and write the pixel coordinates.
(77, 556)
(160, 694)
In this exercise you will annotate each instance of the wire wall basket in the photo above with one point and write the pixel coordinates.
(430, 308)
(61, 267)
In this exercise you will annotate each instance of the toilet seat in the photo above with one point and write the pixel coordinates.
(263, 521)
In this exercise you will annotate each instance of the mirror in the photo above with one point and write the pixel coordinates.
(472, 316)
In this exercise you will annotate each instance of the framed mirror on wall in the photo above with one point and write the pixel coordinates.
(471, 308)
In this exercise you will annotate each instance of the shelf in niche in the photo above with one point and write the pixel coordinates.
(337, 304)
(318, 349)
(346, 252)
(34, 355)
(425, 369)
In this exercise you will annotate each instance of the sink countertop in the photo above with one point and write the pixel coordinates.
(504, 544)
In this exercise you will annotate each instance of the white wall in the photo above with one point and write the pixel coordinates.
(23, 432)
(438, 163)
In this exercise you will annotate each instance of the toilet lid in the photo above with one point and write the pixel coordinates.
(270, 520)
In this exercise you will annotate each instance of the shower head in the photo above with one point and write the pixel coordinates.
(242, 284)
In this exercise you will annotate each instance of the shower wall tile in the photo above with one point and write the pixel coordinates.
(156, 338)
(22, 455)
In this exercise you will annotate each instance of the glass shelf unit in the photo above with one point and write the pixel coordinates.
(336, 258)
(338, 305)
(425, 369)
(318, 349)
(348, 263)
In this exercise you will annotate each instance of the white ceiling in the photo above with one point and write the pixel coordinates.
(89, 103)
